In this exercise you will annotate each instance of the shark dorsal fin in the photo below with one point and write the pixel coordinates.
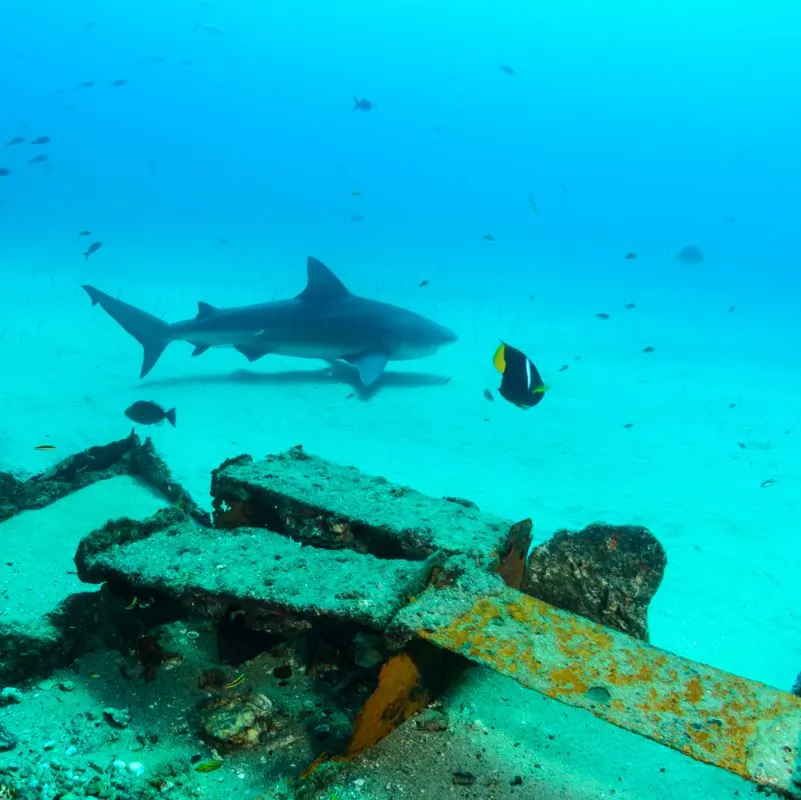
(204, 309)
(322, 284)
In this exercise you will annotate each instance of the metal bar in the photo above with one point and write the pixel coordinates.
(743, 726)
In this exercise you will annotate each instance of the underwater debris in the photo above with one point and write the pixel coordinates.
(316, 501)
(745, 727)
(606, 573)
(129, 456)
(237, 721)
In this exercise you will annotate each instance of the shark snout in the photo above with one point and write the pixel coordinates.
(448, 336)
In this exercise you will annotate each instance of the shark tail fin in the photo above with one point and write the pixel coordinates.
(170, 417)
(151, 332)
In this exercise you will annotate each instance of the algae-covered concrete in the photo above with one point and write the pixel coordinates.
(208, 569)
(330, 505)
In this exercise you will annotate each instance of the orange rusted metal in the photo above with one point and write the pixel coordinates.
(406, 684)
(712, 716)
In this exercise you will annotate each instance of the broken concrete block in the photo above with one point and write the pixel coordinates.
(45, 610)
(129, 456)
(209, 570)
(606, 573)
(316, 501)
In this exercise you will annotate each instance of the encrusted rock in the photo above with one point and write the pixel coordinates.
(236, 720)
(7, 739)
(606, 573)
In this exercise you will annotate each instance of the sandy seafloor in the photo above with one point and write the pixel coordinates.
(690, 467)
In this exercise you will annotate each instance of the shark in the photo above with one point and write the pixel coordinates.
(325, 321)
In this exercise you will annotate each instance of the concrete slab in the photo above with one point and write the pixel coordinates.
(330, 505)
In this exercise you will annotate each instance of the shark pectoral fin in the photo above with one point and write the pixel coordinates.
(371, 366)
(253, 352)
(205, 309)
(200, 349)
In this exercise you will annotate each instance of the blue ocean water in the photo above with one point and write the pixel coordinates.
(514, 154)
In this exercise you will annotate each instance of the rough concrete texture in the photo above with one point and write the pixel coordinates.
(129, 456)
(606, 573)
(334, 506)
(207, 570)
(42, 601)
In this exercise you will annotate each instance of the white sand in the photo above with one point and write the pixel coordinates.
(38, 570)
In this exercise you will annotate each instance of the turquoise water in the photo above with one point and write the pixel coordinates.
(514, 155)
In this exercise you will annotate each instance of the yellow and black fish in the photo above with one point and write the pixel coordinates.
(521, 383)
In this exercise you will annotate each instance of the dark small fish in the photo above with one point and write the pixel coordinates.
(629, 256)
(357, 218)
(767, 483)
(648, 349)
(731, 309)
(488, 237)
(488, 396)
(40, 140)
(222, 240)
(628, 425)
(564, 367)
(362, 105)
(93, 248)
(119, 82)
(85, 233)
(630, 306)
(85, 85)
(146, 412)
(689, 255)
(521, 383)
(507, 69)
(42, 157)
(15, 140)
(44, 448)
(4, 173)
(732, 405)
(602, 315)
(423, 283)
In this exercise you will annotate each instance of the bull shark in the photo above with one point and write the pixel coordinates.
(324, 321)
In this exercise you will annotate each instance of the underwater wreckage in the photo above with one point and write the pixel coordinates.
(382, 594)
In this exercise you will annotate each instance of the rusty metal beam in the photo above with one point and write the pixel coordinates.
(743, 726)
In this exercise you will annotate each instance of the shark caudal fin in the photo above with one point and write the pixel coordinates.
(151, 332)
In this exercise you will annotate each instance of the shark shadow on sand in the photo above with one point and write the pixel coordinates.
(334, 373)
